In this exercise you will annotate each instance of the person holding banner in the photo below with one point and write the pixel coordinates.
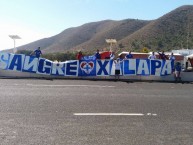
(97, 55)
(162, 55)
(37, 52)
(172, 57)
(117, 68)
(129, 55)
(152, 56)
(79, 55)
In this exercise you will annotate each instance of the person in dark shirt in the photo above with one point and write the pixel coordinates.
(37, 52)
(97, 55)
(162, 55)
(129, 55)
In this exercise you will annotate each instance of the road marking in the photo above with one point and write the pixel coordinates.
(151, 114)
(108, 114)
(94, 86)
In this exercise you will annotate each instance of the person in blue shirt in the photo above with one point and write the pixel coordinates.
(37, 52)
(129, 55)
(172, 58)
(97, 55)
(177, 72)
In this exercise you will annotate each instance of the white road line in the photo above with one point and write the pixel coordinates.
(108, 114)
(94, 86)
(151, 114)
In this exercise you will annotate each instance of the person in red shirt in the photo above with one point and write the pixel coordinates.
(79, 55)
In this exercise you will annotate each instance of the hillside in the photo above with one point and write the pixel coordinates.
(165, 33)
(88, 36)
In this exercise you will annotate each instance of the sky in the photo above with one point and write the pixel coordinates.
(36, 19)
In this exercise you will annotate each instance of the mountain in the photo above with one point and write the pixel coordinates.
(171, 31)
(168, 32)
(88, 36)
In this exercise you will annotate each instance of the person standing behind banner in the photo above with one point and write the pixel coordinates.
(79, 56)
(112, 55)
(152, 56)
(162, 55)
(37, 52)
(97, 55)
(172, 58)
(128, 56)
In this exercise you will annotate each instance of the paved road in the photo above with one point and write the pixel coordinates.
(55, 112)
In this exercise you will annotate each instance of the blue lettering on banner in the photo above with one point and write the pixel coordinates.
(167, 67)
(16, 62)
(129, 67)
(58, 68)
(4, 60)
(30, 64)
(71, 68)
(144, 67)
(44, 66)
(156, 67)
(102, 67)
(112, 67)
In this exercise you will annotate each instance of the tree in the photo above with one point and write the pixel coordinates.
(160, 44)
(26, 52)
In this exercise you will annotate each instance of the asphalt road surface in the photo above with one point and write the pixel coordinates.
(81, 112)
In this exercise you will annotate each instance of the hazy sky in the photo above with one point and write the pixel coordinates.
(36, 19)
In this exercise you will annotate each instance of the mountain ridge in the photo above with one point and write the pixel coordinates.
(167, 32)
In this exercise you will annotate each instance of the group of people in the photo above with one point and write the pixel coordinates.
(97, 55)
(176, 69)
(80, 56)
(161, 55)
(177, 66)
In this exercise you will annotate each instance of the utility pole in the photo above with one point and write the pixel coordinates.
(14, 37)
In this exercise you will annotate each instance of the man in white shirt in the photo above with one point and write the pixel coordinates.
(172, 57)
(152, 56)
(117, 68)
